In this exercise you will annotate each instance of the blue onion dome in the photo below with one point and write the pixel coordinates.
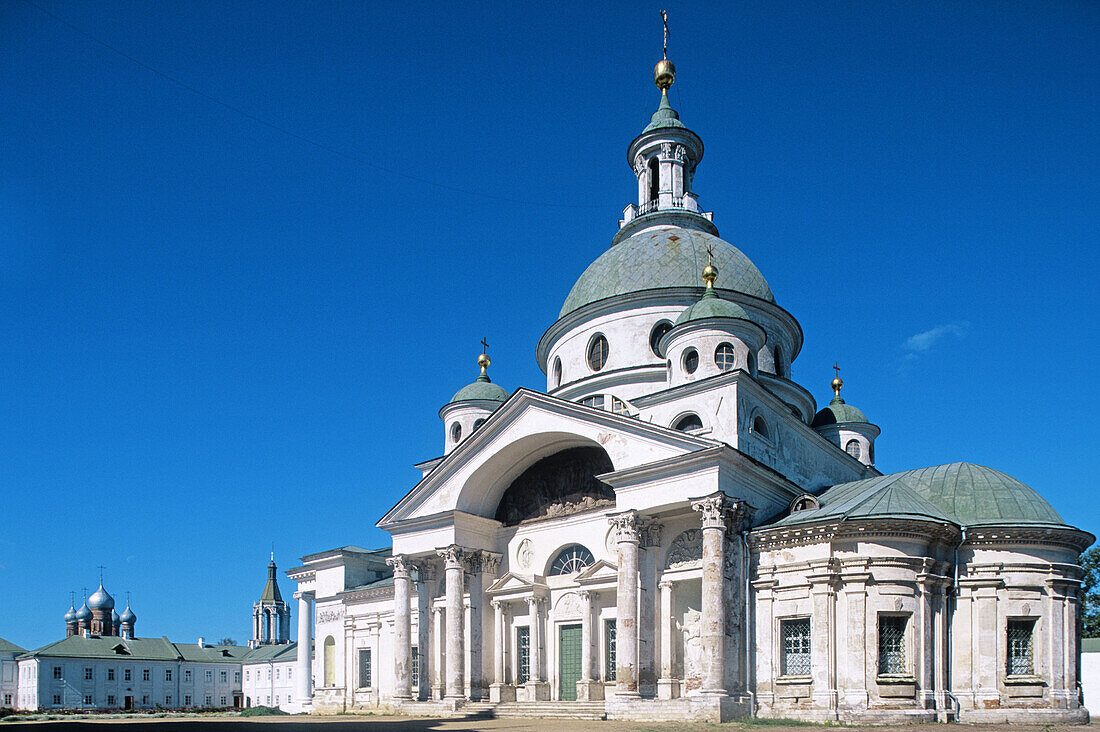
(128, 615)
(838, 412)
(70, 616)
(84, 613)
(101, 600)
(482, 388)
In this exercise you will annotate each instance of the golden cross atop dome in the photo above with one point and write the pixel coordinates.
(710, 272)
(483, 360)
(664, 21)
(484, 346)
(838, 383)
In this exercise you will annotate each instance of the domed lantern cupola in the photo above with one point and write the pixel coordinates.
(845, 426)
(664, 158)
(471, 405)
(712, 336)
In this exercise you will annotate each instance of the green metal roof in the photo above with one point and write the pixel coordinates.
(662, 258)
(272, 654)
(77, 646)
(664, 117)
(963, 493)
(9, 647)
(712, 306)
(483, 388)
(271, 594)
(884, 496)
(838, 413)
(211, 654)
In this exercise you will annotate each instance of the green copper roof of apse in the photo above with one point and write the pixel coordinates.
(662, 258)
(712, 306)
(481, 389)
(838, 413)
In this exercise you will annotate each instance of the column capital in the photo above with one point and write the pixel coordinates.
(626, 526)
(401, 566)
(585, 595)
(453, 556)
(664, 585)
(425, 568)
(649, 532)
(533, 603)
(483, 562)
(496, 603)
(719, 511)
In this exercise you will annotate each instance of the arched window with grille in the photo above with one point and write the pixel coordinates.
(571, 559)
(725, 357)
(688, 423)
(852, 448)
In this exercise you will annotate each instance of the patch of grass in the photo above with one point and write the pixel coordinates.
(262, 712)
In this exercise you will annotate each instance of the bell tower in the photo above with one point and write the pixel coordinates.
(664, 158)
(270, 616)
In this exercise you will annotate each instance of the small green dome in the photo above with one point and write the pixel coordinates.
(664, 117)
(712, 306)
(663, 258)
(480, 389)
(838, 413)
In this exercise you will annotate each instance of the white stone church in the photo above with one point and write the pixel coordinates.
(674, 530)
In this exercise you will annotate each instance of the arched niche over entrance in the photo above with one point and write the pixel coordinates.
(558, 485)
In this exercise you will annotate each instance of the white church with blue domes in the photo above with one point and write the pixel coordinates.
(673, 530)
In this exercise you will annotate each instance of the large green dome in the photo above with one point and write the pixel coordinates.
(974, 495)
(665, 257)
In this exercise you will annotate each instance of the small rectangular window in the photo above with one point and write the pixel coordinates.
(88, 674)
(126, 674)
(57, 700)
(110, 674)
(110, 700)
(610, 652)
(523, 655)
(57, 672)
(209, 702)
(145, 699)
(168, 700)
(246, 675)
(237, 677)
(1021, 647)
(209, 675)
(891, 644)
(145, 674)
(187, 700)
(223, 701)
(187, 674)
(795, 637)
(415, 675)
(224, 676)
(364, 668)
(87, 700)
(167, 674)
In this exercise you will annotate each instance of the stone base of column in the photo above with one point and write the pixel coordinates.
(589, 691)
(537, 691)
(437, 692)
(668, 688)
(501, 693)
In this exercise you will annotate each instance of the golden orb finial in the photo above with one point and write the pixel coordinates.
(710, 272)
(483, 361)
(664, 73)
(838, 384)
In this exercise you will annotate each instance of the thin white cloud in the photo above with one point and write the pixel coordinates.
(926, 340)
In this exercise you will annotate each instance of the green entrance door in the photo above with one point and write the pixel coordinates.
(569, 669)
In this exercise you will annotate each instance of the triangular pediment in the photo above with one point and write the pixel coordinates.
(599, 573)
(518, 583)
(525, 429)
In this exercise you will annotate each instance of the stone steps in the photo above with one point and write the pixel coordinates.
(553, 710)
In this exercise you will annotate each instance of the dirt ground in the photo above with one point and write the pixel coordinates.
(371, 723)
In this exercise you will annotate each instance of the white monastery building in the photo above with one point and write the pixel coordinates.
(675, 530)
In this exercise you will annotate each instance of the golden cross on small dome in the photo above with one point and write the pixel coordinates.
(664, 21)
(710, 272)
(483, 360)
(838, 383)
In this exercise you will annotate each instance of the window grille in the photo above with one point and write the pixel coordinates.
(126, 675)
(523, 642)
(691, 360)
(57, 672)
(891, 645)
(57, 700)
(852, 448)
(187, 700)
(364, 668)
(1020, 647)
(87, 674)
(618, 406)
(609, 653)
(796, 647)
(597, 353)
(168, 675)
(110, 674)
(725, 357)
(596, 402)
(110, 700)
(414, 677)
(571, 559)
(88, 700)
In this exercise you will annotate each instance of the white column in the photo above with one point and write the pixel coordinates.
(302, 662)
(440, 649)
(533, 604)
(424, 576)
(667, 688)
(586, 635)
(402, 628)
(498, 642)
(626, 601)
(453, 557)
(715, 510)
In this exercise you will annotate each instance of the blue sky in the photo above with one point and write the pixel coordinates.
(250, 249)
